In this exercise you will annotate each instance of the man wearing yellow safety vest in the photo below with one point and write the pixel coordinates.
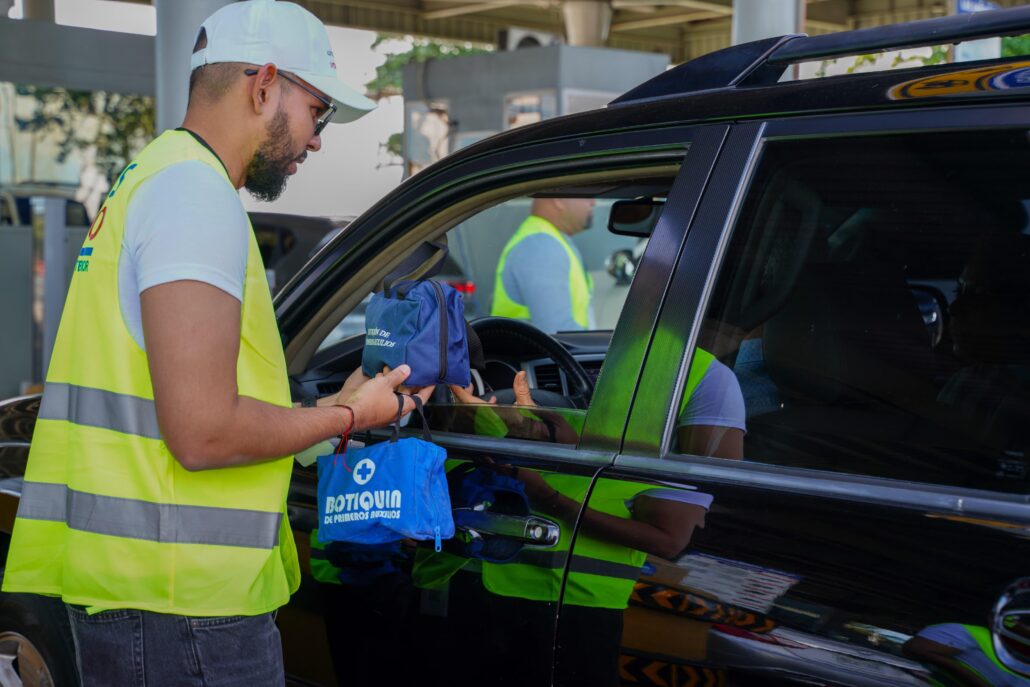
(154, 496)
(540, 275)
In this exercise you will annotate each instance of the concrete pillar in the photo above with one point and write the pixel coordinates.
(40, 10)
(587, 21)
(177, 26)
(757, 19)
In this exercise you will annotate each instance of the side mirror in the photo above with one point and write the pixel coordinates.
(636, 217)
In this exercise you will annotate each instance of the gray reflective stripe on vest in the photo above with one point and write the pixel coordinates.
(580, 564)
(595, 566)
(84, 405)
(159, 522)
(540, 559)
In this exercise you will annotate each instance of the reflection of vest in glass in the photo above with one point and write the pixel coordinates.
(601, 574)
(108, 517)
(982, 660)
(580, 283)
(321, 569)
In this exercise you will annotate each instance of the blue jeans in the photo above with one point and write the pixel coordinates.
(129, 648)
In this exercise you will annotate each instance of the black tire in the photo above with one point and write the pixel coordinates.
(36, 630)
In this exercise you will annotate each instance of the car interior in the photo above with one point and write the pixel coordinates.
(561, 367)
(875, 307)
(835, 308)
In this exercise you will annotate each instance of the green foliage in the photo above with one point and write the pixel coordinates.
(388, 75)
(1015, 46)
(394, 144)
(938, 55)
(862, 61)
(118, 125)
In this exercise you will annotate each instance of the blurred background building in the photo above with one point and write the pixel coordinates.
(84, 84)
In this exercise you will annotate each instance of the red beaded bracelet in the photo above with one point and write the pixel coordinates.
(350, 428)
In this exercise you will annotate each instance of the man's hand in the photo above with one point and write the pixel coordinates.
(520, 386)
(463, 395)
(354, 381)
(374, 402)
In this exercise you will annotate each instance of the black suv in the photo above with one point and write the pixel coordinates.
(794, 448)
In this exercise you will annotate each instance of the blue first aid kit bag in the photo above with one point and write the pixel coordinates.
(419, 323)
(385, 492)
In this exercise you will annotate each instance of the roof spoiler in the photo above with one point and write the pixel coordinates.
(762, 63)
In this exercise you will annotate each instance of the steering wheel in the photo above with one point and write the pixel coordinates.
(498, 332)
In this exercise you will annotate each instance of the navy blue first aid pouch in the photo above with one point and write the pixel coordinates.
(385, 492)
(420, 323)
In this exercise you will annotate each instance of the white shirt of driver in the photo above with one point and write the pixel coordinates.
(183, 223)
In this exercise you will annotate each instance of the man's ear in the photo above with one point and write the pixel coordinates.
(261, 87)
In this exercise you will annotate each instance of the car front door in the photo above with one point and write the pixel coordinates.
(484, 609)
(824, 476)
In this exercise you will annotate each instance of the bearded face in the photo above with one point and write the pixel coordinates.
(269, 169)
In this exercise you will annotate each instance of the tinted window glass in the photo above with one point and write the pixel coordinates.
(873, 313)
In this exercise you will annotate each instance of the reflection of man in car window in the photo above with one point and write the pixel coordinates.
(990, 332)
(711, 417)
(622, 523)
(540, 275)
(965, 652)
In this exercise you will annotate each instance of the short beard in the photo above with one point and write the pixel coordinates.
(268, 170)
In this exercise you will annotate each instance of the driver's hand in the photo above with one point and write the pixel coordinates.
(465, 395)
(521, 388)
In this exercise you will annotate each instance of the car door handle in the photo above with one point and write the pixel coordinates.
(529, 529)
(1011, 627)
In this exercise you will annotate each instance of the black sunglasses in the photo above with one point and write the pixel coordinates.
(330, 108)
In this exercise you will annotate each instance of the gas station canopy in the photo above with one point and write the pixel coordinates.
(681, 29)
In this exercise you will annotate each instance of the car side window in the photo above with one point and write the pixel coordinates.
(872, 314)
(543, 282)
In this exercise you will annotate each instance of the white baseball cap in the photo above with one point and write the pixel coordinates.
(286, 35)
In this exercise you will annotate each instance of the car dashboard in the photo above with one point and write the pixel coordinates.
(504, 359)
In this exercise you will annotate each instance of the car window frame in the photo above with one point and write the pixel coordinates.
(605, 421)
(650, 430)
(450, 182)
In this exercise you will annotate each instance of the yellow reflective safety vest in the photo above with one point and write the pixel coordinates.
(581, 286)
(601, 574)
(108, 517)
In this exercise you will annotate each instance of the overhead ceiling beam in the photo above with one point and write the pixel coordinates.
(459, 10)
(704, 5)
(825, 25)
(663, 20)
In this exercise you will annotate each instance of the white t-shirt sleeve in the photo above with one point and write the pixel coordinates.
(717, 400)
(184, 223)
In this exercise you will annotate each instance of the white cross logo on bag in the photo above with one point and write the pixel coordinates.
(363, 471)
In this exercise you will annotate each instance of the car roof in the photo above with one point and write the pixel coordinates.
(742, 82)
